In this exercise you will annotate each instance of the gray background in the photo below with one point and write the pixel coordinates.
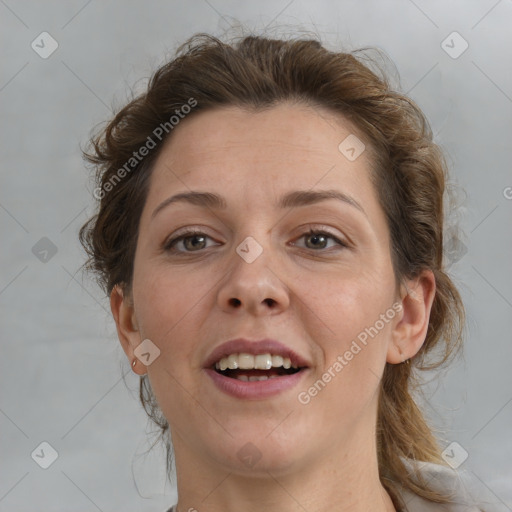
(61, 364)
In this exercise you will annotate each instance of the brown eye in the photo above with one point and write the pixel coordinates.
(187, 242)
(194, 242)
(316, 240)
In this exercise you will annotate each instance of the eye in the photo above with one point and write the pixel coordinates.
(195, 241)
(318, 239)
(191, 241)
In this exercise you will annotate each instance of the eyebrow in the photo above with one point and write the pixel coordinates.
(292, 199)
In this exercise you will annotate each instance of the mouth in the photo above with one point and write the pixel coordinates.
(255, 369)
(252, 368)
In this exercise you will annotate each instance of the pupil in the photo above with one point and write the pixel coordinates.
(191, 242)
(316, 238)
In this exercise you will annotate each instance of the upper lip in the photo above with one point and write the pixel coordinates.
(244, 346)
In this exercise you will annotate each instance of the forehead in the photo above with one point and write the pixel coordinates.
(282, 143)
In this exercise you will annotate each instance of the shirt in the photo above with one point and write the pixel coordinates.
(445, 480)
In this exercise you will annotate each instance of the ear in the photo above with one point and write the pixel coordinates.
(122, 308)
(410, 331)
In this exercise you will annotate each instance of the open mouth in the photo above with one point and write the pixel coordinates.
(251, 368)
(255, 375)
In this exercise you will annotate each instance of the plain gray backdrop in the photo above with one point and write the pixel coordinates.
(61, 363)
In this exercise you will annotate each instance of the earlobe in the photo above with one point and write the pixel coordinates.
(126, 324)
(410, 331)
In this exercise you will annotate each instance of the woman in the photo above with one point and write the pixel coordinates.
(270, 236)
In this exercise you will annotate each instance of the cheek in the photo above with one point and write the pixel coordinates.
(349, 302)
(343, 390)
(353, 336)
(164, 298)
(170, 308)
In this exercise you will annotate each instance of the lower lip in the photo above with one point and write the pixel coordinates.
(257, 389)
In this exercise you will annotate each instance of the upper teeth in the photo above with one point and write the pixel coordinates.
(250, 362)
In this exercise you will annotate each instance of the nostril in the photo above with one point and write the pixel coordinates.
(235, 302)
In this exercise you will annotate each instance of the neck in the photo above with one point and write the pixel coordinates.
(342, 479)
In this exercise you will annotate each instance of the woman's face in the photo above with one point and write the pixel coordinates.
(278, 261)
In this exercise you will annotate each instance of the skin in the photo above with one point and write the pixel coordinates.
(314, 457)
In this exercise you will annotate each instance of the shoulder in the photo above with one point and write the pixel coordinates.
(457, 484)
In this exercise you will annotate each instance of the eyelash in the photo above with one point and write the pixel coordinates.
(169, 245)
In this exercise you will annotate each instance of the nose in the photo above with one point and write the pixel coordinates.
(254, 285)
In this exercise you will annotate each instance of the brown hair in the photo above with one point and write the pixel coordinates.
(409, 174)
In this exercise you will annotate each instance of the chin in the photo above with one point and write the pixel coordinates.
(259, 450)
(252, 460)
